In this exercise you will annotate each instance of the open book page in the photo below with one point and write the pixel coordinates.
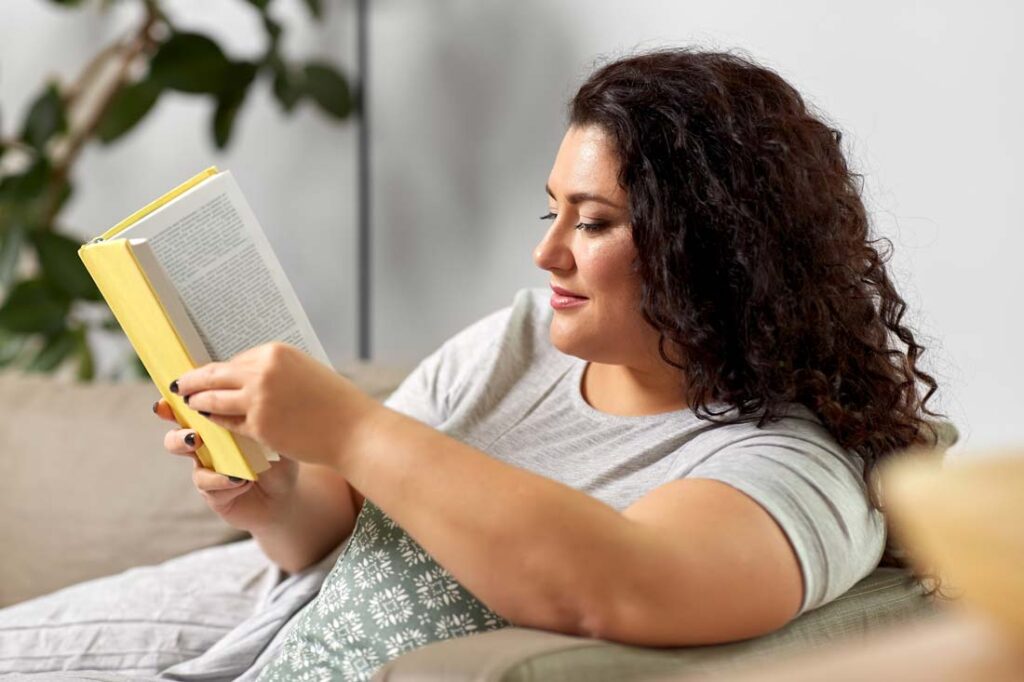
(169, 299)
(230, 283)
(254, 453)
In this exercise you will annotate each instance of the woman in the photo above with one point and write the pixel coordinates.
(674, 449)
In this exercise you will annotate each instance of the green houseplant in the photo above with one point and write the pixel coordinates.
(43, 285)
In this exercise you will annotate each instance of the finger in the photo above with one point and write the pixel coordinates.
(222, 500)
(210, 376)
(220, 402)
(231, 423)
(210, 481)
(182, 441)
(163, 410)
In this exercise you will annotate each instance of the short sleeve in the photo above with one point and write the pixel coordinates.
(815, 492)
(427, 393)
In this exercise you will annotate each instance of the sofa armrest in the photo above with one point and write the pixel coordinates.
(886, 596)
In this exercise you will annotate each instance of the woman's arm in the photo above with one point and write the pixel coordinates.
(537, 552)
(320, 518)
(692, 562)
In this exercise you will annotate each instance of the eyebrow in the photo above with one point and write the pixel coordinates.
(580, 197)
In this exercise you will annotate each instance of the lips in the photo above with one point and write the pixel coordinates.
(565, 292)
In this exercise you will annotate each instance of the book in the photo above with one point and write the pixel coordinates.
(192, 279)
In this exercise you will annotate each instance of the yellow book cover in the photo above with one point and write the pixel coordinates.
(115, 267)
(143, 319)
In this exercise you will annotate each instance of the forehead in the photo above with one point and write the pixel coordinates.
(586, 162)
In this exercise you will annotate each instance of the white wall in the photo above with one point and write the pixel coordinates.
(468, 108)
(468, 103)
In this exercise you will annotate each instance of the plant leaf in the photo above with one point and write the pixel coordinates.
(190, 62)
(57, 348)
(129, 106)
(287, 84)
(86, 363)
(273, 29)
(33, 306)
(25, 187)
(63, 194)
(230, 101)
(329, 88)
(61, 265)
(10, 346)
(11, 241)
(45, 118)
(316, 8)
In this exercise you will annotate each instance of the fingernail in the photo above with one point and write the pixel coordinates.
(174, 386)
(155, 405)
(190, 439)
(186, 399)
(234, 479)
(205, 414)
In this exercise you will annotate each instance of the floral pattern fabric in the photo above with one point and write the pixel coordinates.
(385, 596)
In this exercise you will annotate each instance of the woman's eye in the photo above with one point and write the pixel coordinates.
(586, 227)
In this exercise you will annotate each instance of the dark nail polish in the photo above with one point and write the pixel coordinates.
(186, 399)
(205, 414)
(174, 386)
(190, 439)
(155, 405)
(234, 479)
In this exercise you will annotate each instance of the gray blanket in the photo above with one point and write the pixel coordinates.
(214, 614)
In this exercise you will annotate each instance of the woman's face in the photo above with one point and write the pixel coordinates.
(589, 251)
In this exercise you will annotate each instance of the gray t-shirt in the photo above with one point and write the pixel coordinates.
(502, 387)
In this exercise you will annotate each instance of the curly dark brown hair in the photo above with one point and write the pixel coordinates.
(755, 251)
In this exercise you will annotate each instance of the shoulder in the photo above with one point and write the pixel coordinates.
(508, 338)
(797, 430)
(812, 486)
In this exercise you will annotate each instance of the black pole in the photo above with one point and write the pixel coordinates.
(363, 179)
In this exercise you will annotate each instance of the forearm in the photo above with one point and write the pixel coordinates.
(537, 552)
(320, 517)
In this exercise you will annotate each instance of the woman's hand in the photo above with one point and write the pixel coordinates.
(280, 396)
(246, 505)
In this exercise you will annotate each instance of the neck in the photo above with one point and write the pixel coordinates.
(631, 391)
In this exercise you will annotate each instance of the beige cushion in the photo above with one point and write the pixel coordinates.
(883, 598)
(86, 488)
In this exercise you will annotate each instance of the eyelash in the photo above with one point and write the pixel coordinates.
(586, 227)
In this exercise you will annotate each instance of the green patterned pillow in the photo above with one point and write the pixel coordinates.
(385, 596)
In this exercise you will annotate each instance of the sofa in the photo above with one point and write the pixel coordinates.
(86, 490)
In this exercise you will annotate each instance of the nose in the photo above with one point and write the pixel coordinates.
(554, 251)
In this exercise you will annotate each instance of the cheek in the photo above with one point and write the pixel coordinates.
(608, 264)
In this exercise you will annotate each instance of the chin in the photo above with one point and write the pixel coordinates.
(571, 344)
(563, 342)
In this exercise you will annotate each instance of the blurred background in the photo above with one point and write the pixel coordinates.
(466, 103)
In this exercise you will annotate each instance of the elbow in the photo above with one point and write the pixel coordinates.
(600, 618)
(582, 613)
(549, 599)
